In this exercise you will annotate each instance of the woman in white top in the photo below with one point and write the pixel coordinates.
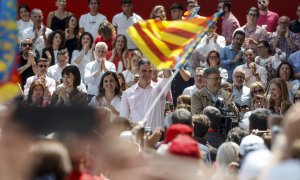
(131, 74)
(24, 22)
(109, 94)
(213, 60)
(84, 54)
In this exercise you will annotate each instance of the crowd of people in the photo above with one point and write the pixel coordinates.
(230, 112)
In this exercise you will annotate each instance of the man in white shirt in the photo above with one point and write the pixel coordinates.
(90, 22)
(49, 83)
(137, 100)
(199, 83)
(123, 20)
(95, 69)
(38, 33)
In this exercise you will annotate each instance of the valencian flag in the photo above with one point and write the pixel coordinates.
(169, 43)
(8, 48)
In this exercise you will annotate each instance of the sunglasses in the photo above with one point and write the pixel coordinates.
(27, 44)
(297, 98)
(43, 66)
(258, 91)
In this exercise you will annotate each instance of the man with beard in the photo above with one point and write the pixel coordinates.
(267, 19)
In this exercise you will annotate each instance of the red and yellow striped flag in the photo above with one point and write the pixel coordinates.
(164, 42)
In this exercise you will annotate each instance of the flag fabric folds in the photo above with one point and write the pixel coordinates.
(167, 43)
(8, 48)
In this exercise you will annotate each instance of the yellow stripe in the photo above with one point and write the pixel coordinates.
(187, 26)
(174, 39)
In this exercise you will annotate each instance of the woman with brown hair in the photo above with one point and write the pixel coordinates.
(213, 60)
(131, 74)
(122, 82)
(36, 95)
(107, 34)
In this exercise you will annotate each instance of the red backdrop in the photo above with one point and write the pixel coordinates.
(144, 7)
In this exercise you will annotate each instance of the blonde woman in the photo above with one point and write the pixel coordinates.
(158, 13)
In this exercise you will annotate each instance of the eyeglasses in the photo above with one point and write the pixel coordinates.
(43, 66)
(239, 77)
(215, 79)
(296, 98)
(27, 44)
(258, 91)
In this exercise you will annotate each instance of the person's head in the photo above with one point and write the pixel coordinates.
(120, 42)
(297, 96)
(249, 55)
(135, 57)
(93, 5)
(227, 86)
(37, 17)
(264, 48)
(257, 88)
(298, 11)
(57, 38)
(278, 91)
(109, 83)
(23, 12)
(225, 6)
(285, 71)
(72, 23)
(238, 39)
(181, 116)
(158, 12)
(145, 71)
(190, 4)
(258, 119)
(213, 59)
(176, 11)
(27, 44)
(42, 66)
(238, 77)
(212, 79)
(214, 115)
(127, 7)
(252, 15)
(284, 23)
(71, 76)
(212, 29)
(227, 153)
(85, 38)
(201, 124)
(263, 5)
(36, 91)
(199, 78)
(236, 135)
(100, 50)
(122, 81)
(106, 29)
(62, 57)
(60, 4)
(184, 99)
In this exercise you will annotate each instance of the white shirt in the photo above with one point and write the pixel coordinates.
(92, 82)
(50, 84)
(136, 101)
(128, 76)
(190, 90)
(91, 23)
(116, 102)
(86, 59)
(39, 43)
(120, 20)
(22, 25)
(243, 96)
(204, 48)
(261, 72)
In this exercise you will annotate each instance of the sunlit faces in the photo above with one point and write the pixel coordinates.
(120, 79)
(127, 8)
(176, 14)
(249, 56)
(134, 60)
(145, 73)
(258, 91)
(57, 39)
(73, 22)
(213, 60)
(275, 92)
(120, 43)
(24, 14)
(109, 83)
(63, 59)
(238, 78)
(86, 39)
(38, 92)
(161, 13)
(27, 44)
(37, 18)
(213, 82)
(238, 40)
(100, 52)
(199, 78)
(285, 72)
(68, 80)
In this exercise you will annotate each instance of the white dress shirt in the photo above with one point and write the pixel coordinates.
(116, 102)
(261, 72)
(204, 48)
(92, 82)
(81, 66)
(136, 101)
(190, 90)
(22, 25)
(91, 23)
(50, 84)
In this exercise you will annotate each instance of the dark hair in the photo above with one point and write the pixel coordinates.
(201, 124)
(266, 43)
(253, 50)
(185, 99)
(61, 33)
(76, 30)
(239, 32)
(227, 4)
(80, 39)
(181, 116)
(73, 70)
(210, 70)
(214, 115)
(176, 5)
(254, 9)
(101, 90)
(218, 55)
(259, 119)
(236, 135)
(91, 0)
(32, 87)
(124, 85)
(125, 41)
(291, 70)
(143, 61)
(25, 6)
(63, 52)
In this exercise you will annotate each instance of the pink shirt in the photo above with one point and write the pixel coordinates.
(260, 70)
(270, 20)
(229, 24)
(136, 101)
(257, 34)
